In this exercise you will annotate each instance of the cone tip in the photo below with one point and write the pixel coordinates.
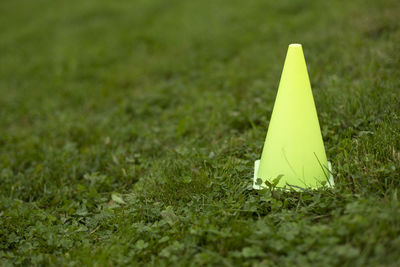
(295, 45)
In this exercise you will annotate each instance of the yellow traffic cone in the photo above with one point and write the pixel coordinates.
(294, 150)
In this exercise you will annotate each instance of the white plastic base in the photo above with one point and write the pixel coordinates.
(259, 187)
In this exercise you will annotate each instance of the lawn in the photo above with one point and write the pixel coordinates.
(129, 130)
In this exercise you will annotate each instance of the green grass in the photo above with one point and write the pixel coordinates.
(128, 132)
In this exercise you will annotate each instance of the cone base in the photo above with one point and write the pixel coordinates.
(330, 184)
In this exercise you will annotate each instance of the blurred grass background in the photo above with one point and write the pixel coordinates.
(168, 103)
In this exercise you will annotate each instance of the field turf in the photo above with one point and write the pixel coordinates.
(129, 129)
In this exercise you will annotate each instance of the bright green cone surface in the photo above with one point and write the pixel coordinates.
(294, 147)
